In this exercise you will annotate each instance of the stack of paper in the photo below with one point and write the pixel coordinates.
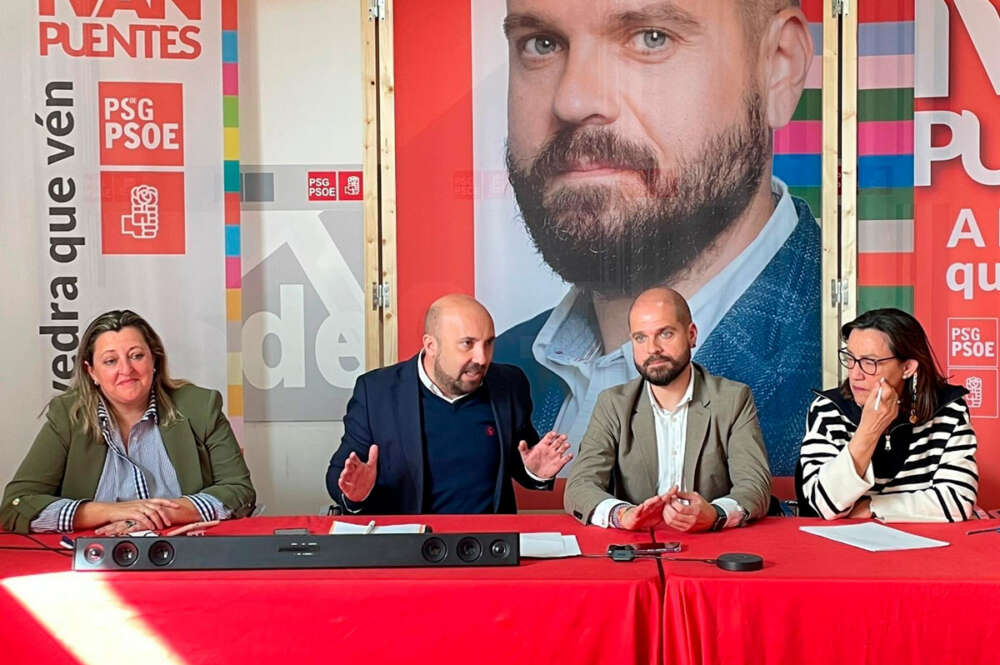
(346, 528)
(548, 545)
(873, 537)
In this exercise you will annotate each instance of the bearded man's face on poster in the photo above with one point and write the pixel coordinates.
(636, 134)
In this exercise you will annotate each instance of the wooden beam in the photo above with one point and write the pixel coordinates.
(849, 159)
(387, 184)
(830, 215)
(372, 267)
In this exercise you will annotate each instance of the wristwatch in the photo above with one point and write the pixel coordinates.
(720, 518)
(615, 515)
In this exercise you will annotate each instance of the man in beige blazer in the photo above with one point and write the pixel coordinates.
(677, 446)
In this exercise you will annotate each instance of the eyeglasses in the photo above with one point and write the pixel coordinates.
(868, 365)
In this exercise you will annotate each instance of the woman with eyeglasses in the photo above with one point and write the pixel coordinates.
(894, 441)
(127, 448)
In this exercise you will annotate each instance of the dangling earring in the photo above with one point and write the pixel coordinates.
(913, 398)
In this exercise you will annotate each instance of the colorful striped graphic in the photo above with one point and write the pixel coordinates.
(231, 192)
(798, 146)
(885, 155)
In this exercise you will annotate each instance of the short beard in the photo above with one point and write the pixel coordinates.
(595, 238)
(663, 376)
(453, 386)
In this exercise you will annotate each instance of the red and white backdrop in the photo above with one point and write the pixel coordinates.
(113, 176)
(957, 205)
(929, 203)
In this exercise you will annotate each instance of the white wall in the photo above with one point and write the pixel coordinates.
(300, 68)
(300, 77)
(19, 356)
(20, 368)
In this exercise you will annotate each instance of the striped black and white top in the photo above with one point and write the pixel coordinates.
(925, 472)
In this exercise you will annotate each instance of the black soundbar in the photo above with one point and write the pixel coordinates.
(256, 552)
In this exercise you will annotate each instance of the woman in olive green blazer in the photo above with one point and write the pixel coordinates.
(121, 391)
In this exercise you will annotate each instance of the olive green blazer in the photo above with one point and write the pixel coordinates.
(64, 463)
(724, 452)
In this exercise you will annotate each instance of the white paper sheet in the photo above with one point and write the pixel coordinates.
(874, 537)
(346, 528)
(548, 545)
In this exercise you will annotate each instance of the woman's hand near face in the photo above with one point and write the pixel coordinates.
(873, 423)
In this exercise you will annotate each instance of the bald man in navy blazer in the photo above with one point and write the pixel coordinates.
(446, 430)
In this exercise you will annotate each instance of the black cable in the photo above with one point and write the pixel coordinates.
(630, 558)
(659, 563)
(36, 549)
(41, 546)
(35, 540)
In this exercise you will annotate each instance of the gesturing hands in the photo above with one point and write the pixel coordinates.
(647, 514)
(684, 511)
(358, 478)
(687, 511)
(546, 457)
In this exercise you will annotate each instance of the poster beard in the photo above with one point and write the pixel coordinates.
(594, 237)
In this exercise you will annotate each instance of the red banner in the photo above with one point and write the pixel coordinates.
(956, 207)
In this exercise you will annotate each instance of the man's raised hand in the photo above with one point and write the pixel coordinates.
(546, 457)
(358, 478)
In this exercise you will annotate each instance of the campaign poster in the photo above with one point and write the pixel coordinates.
(115, 178)
(670, 96)
(928, 177)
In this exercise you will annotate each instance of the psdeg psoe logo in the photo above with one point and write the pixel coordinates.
(351, 187)
(141, 125)
(143, 221)
(142, 212)
(334, 185)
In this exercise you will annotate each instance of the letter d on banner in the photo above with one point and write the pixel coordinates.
(289, 328)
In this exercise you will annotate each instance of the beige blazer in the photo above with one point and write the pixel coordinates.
(724, 454)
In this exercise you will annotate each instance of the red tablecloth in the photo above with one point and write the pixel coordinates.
(817, 601)
(543, 611)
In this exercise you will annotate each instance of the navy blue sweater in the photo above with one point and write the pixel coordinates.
(462, 453)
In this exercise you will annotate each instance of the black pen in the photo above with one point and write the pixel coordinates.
(992, 528)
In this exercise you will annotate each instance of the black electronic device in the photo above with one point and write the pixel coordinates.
(298, 551)
(733, 561)
(650, 548)
(739, 562)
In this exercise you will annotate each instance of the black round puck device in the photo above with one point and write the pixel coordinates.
(739, 562)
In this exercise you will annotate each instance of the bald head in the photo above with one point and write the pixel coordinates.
(453, 305)
(659, 301)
